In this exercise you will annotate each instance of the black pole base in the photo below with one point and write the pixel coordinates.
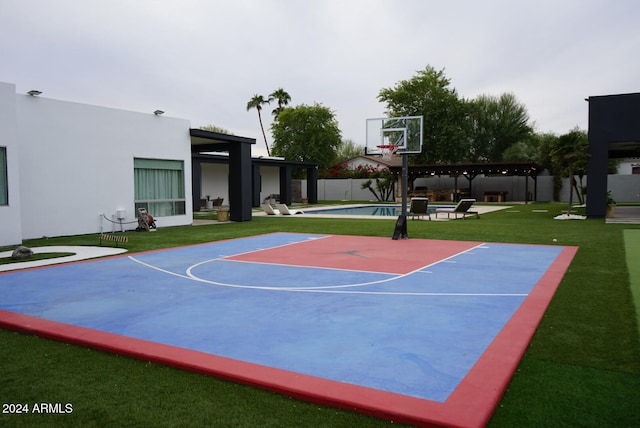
(400, 231)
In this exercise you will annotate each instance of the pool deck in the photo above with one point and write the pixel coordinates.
(481, 209)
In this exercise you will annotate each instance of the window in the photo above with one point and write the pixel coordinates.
(4, 182)
(159, 186)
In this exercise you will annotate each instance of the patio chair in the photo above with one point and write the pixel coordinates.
(462, 208)
(284, 209)
(419, 208)
(269, 209)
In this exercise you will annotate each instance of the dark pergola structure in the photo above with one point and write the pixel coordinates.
(244, 171)
(614, 132)
(472, 170)
(286, 169)
(239, 149)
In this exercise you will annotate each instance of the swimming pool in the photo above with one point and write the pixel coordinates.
(381, 210)
(374, 210)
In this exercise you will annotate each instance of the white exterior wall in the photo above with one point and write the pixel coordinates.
(76, 163)
(627, 165)
(363, 162)
(10, 220)
(344, 189)
(269, 181)
(215, 181)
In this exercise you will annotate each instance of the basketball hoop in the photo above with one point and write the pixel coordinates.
(388, 150)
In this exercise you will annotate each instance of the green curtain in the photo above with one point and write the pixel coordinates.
(4, 185)
(159, 185)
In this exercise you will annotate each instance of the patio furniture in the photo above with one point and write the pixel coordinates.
(462, 208)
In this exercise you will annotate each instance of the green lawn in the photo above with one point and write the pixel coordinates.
(581, 369)
(39, 256)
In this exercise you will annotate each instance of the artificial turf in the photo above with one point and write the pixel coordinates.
(632, 250)
(39, 256)
(582, 367)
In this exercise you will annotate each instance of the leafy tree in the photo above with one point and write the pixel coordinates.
(257, 102)
(570, 151)
(282, 97)
(307, 133)
(214, 128)
(348, 149)
(545, 143)
(580, 165)
(496, 123)
(520, 152)
(429, 95)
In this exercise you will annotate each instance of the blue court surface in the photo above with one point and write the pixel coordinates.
(415, 330)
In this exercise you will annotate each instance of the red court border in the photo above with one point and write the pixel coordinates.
(470, 405)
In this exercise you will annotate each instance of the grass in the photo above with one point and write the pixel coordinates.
(39, 256)
(582, 367)
(632, 246)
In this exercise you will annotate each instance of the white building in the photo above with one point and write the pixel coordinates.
(372, 162)
(64, 165)
(69, 169)
(629, 166)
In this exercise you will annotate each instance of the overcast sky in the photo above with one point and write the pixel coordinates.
(203, 60)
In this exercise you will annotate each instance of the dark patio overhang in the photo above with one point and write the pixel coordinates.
(207, 141)
(244, 171)
(240, 172)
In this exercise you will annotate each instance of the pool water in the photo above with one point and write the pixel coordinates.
(376, 210)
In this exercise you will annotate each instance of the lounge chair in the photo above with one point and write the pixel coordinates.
(462, 208)
(269, 209)
(284, 209)
(419, 208)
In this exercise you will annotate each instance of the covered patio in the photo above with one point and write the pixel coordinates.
(470, 171)
(244, 171)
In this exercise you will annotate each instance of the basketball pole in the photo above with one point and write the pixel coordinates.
(400, 231)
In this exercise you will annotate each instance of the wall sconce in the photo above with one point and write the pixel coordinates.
(34, 92)
(158, 112)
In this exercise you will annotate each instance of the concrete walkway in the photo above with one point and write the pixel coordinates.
(81, 253)
(625, 215)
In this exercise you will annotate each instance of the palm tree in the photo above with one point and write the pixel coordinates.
(283, 99)
(257, 102)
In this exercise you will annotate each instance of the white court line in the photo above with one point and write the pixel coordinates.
(333, 288)
(206, 281)
(278, 246)
(304, 266)
(321, 287)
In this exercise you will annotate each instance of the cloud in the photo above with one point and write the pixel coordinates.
(203, 60)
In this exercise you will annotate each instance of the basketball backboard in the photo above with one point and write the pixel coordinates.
(402, 135)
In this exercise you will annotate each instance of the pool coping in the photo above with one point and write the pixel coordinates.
(481, 209)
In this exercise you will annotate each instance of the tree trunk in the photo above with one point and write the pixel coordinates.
(570, 189)
(263, 134)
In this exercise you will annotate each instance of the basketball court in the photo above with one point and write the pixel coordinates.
(426, 332)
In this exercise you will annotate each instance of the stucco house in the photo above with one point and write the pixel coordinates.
(68, 168)
(372, 162)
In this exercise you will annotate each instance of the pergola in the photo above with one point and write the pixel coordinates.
(472, 170)
(244, 171)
